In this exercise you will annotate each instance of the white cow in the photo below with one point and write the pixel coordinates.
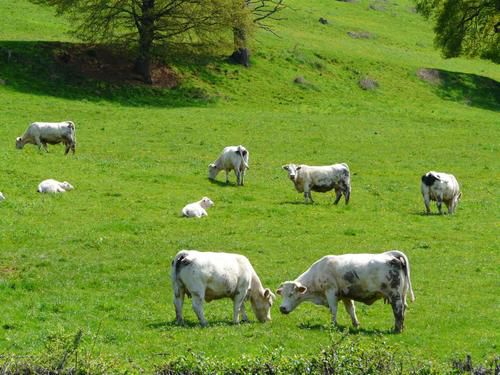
(197, 209)
(321, 179)
(232, 158)
(352, 277)
(2, 197)
(43, 133)
(440, 187)
(206, 276)
(53, 186)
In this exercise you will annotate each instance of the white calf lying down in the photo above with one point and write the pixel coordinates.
(352, 277)
(53, 186)
(232, 158)
(440, 187)
(321, 179)
(206, 276)
(41, 133)
(197, 209)
(1, 197)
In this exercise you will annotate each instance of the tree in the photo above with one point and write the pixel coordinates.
(261, 11)
(150, 24)
(465, 27)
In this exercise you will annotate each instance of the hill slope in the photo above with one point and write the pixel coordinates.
(98, 258)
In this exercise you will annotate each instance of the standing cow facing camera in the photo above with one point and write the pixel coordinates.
(440, 187)
(321, 179)
(232, 158)
(43, 133)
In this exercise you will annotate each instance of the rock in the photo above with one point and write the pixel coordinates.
(368, 84)
(429, 75)
(299, 80)
(323, 21)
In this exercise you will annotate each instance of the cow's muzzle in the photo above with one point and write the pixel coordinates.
(284, 310)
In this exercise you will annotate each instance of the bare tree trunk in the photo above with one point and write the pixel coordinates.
(146, 37)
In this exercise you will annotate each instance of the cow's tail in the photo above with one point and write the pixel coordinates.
(243, 152)
(180, 260)
(406, 268)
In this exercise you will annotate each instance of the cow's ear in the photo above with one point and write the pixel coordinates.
(301, 289)
(285, 167)
(279, 290)
(298, 168)
(267, 293)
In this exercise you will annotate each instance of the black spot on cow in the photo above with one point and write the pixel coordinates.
(383, 286)
(323, 188)
(428, 179)
(357, 293)
(393, 278)
(182, 261)
(351, 276)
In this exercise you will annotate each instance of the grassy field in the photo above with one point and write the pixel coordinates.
(98, 258)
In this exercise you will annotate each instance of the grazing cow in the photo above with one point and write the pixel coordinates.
(232, 158)
(321, 179)
(197, 209)
(352, 277)
(43, 133)
(53, 186)
(440, 187)
(206, 276)
(2, 197)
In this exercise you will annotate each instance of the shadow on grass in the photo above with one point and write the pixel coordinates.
(342, 328)
(80, 72)
(195, 324)
(223, 184)
(470, 89)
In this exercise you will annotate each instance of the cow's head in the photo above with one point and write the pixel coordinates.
(292, 293)
(212, 171)
(66, 185)
(261, 305)
(19, 143)
(292, 170)
(206, 202)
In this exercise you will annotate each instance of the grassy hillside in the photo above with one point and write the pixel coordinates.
(98, 258)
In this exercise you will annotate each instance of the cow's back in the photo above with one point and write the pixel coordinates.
(218, 274)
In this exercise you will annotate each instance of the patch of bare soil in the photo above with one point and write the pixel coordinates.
(429, 75)
(368, 83)
(109, 65)
(360, 34)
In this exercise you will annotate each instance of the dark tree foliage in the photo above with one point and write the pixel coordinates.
(465, 27)
(148, 25)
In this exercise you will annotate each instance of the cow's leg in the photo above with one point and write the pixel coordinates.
(197, 302)
(73, 148)
(338, 195)
(227, 176)
(238, 301)
(331, 297)
(178, 303)
(238, 176)
(347, 194)
(351, 310)
(242, 176)
(440, 203)
(427, 204)
(39, 143)
(399, 310)
(244, 316)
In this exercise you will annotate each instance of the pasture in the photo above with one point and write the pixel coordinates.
(98, 258)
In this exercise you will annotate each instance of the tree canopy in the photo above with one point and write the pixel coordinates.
(465, 27)
(149, 25)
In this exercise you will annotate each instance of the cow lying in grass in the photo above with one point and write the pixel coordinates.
(53, 186)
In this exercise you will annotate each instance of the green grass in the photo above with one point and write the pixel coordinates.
(98, 258)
